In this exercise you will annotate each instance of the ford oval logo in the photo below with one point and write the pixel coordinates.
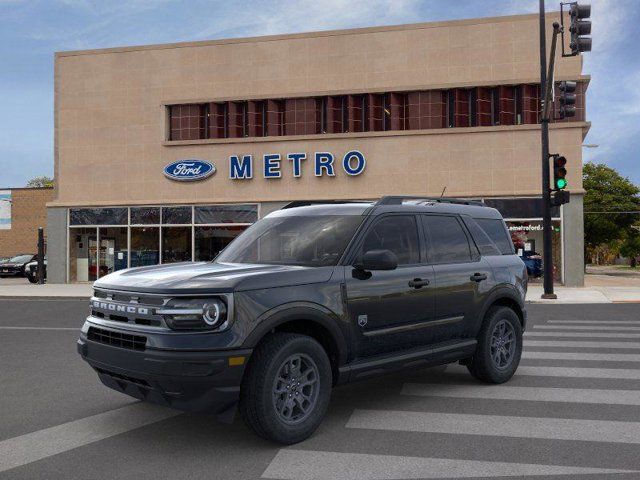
(186, 170)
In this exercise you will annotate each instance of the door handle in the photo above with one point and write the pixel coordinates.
(478, 277)
(418, 283)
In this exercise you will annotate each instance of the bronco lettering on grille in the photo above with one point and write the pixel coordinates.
(115, 307)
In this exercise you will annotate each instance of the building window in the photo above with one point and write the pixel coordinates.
(176, 215)
(145, 215)
(98, 216)
(187, 122)
(375, 112)
(176, 244)
(145, 246)
(226, 214)
(209, 241)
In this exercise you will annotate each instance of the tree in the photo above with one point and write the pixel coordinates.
(40, 182)
(606, 193)
(631, 247)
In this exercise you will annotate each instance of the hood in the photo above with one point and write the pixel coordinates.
(208, 277)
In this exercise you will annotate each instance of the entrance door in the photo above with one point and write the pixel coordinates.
(390, 309)
(92, 260)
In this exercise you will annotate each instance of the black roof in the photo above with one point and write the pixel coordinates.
(473, 208)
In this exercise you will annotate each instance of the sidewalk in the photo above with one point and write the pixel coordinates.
(591, 294)
(82, 290)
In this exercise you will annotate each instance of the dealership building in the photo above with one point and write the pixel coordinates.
(165, 153)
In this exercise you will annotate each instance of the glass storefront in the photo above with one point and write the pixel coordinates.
(104, 240)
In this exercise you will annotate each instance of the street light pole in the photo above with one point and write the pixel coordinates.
(547, 253)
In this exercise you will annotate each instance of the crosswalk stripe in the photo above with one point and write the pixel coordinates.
(292, 464)
(579, 344)
(533, 394)
(597, 322)
(497, 426)
(602, 328)
(34, 446)
(581, 334)
(603, 357)
(568, 372)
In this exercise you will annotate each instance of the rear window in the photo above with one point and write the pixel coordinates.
(496, 231)
(482, 240)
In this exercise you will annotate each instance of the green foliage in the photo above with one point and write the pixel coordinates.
(630, 248)
(40, 182)
(607, 191)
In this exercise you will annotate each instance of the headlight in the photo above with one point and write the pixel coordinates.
(195, 314)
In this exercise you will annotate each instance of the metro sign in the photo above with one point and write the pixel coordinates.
(241, 167)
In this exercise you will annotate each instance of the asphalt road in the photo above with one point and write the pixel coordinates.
(572, 411)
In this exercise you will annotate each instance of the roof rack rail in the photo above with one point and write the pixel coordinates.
(306, 203)
(399, 199)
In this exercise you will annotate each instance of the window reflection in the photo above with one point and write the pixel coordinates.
(145, 248)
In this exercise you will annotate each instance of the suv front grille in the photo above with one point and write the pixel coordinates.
(117, 339)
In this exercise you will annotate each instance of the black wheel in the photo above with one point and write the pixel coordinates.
(286, 389)
(32, 278)
(499, 346)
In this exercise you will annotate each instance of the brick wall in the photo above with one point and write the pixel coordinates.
(28, 212)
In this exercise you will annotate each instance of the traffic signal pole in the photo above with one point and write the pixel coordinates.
(547, 246)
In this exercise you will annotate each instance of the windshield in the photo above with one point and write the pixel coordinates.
(312, 241)
(21, 259)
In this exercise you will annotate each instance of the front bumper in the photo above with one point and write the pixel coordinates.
(198, 381)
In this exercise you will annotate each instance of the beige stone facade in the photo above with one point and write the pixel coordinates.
(111, 117)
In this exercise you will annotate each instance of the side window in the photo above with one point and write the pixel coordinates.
(484, 243)
(397, 233)
(497, 232)
(447, 241)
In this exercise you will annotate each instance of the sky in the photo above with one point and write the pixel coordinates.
(32, 30)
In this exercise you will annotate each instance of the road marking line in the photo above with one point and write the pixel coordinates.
(568, 372)
(292, 464)
(35, 446)
(580, 344)
(597, 322)
(77, 329)
(497, 426)
(532, 394)
(600, 328)
(603, 357)
(581, 334)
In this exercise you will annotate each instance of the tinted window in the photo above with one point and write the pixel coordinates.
(145, 215)
(313, 241)
(447, 241)
(497, 232)
(176, 215)
(482, 240)
(398, 234)
(98, 216)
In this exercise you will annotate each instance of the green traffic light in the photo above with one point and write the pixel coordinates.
(561, 183)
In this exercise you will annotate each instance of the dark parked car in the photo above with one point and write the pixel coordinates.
(15, 266)
(308, 298)
(533, 261)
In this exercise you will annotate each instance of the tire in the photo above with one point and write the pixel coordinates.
(32, 278)
(269, 370)
(497, 368)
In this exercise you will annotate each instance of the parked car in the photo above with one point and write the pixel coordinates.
(533, 261)
(308, 298)
(31, 270)
(15, 266)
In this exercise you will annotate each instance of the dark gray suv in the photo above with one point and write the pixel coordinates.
(312, 296)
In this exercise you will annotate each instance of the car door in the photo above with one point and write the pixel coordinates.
(462, 277)
(388, 308)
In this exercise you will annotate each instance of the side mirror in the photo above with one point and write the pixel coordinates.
(378, 260)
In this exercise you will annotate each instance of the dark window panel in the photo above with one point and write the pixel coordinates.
(530, 104)
(461, 107)
(236, 119)
(226, 214)
(256, 118)
(396, 111)
(145, 215)
(275, 117)
(187, 122)
(520, 207)
(356, 108)
(301, 116)
(375, 112)
(518, 104)
(473, 107)
(176, 244)
(336, 110)
(483, 107)
(426, 109)
(98, 216)
(209, 241)
(217, 124)
(507, 105)
(176, 215)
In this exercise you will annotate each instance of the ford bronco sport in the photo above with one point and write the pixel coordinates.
(309, 297)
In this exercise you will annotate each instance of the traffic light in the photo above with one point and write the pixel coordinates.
(580, 27)
(567, 99)
(559, 172)
(560, 198)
